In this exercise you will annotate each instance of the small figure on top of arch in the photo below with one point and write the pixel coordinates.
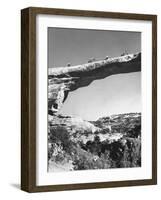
(69, 64)
(91, 60)
(107, 57)
(124, 53)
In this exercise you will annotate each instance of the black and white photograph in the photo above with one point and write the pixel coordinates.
(94, 99)
(89, 99)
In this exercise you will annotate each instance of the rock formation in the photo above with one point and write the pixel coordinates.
(62, 80)
(77, 144)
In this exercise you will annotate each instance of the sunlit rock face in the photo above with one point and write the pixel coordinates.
(72, 124)
(62, 80)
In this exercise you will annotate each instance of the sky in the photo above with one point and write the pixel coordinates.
(115, 94)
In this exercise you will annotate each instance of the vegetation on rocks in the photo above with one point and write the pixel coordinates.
(99, 148)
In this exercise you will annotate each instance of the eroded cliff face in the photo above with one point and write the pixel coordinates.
(63, 80)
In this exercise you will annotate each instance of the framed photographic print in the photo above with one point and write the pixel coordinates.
(89, 99)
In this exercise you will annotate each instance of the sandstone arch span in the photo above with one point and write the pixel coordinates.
(63, 80)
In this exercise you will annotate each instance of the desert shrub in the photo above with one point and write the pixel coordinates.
(94, 146)
(55, 152)
(135, 132)
(132, 153)
(50, 151)
(62, 157)
(60, 135)
(116, 151)
(59, 157)
(97, 139)
(106, 161)
(84, 160)
(87, 132)
(105, 131)
(125, 152)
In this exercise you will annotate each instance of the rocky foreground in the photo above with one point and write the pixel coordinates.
(109, 142)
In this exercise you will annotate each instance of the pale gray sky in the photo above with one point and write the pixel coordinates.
(112, 95)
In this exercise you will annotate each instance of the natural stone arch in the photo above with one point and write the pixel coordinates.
(62, 80)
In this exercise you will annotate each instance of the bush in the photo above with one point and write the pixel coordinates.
(132, 153)
(84, 160)
(125, 152)
(61, 136)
